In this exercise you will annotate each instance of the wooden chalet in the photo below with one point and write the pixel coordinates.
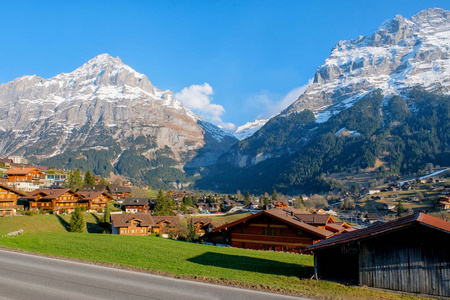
(132, 224)
(410, 254)
(203, 225)
(94, 201)
(163, 223)
(317, 220)
(141, 223)
(280, 204)
(119, 193)
(25, 175)
(276, 229)
(135, 205)
(442, 204)
(8, 200)
(56, 200)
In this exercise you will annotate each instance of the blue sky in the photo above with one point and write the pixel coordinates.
(241, 60)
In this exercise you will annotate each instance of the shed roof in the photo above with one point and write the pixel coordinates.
(419, 218)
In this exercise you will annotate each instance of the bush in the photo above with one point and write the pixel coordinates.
(30, 213)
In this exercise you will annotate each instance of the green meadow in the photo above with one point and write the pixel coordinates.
(269, 271)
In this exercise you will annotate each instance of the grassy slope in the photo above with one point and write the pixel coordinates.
(268, 270)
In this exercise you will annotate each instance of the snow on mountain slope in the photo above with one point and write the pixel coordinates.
(401, 54)
(248, 129)
(102, 103)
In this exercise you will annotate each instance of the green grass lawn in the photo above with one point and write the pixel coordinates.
(271, 271)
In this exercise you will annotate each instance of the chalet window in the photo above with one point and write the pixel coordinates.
(272, 231)
(242, 229)
(299, 232)
(265, 231)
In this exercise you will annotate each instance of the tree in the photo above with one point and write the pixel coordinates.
(274, 195)
(77, 223)
(89, 179)
(103, 181)
(106, 216)
(247, 199)
(192, 233)
(299, 203)
(400, 208)
(74, 180)
(164, 205)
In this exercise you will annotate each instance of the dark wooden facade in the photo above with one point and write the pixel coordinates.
(413, 257)
(8, 200)
(276, 230)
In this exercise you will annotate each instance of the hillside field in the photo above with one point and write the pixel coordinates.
(267, 271)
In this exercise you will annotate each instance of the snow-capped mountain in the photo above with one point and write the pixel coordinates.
(102, 105)
(385, 98)
(401, 54)
(248, 129)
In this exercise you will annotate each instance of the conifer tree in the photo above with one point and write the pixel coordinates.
(164, 205)
(247, 200)
(106, 216)
(77, 223)
(74, 180)
(89, 179)
(274, 195)
(400, 208)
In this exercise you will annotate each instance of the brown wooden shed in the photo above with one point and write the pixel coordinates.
(410, 254)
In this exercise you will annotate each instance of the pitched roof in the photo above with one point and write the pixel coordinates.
(48, 194)
(283, 215)
(124, 220)
(20, 171)
(94, 188)
(136, 201)
(11, 190)
(313, 219)
(375, 230)
(87, 195)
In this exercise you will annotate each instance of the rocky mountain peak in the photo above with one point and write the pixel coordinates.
(400, 54)
(432, 18)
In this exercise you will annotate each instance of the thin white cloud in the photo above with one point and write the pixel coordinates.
(268, 105)
(199, 99)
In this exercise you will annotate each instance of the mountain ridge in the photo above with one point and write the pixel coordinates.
(103, 106)
(393, 72)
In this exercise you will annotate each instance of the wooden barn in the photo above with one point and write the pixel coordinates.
(410, 254)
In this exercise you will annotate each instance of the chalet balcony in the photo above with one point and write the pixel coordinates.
(278, 239)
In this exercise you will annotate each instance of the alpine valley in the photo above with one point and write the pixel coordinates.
(379, 102)
(108, 118)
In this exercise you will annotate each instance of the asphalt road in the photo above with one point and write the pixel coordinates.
(24, 276)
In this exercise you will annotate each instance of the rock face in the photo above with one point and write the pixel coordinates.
(102, 106)
(401, 54)
(385, 97)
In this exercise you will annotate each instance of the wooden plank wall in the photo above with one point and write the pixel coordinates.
(416, 267)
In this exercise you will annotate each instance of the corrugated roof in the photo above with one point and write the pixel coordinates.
(375, 230)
